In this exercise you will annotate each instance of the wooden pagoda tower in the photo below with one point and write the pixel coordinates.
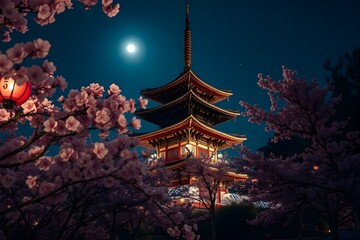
(187, 116)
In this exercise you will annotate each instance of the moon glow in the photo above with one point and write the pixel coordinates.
(131, 48)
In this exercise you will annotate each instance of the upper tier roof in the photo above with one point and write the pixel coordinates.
(191, 126)
(188, 104)
(185, 82)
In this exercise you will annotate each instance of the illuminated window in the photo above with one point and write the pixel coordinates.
(188, 147)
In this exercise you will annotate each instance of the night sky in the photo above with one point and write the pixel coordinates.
(232, 41)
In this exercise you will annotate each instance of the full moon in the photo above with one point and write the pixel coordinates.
(130, 48)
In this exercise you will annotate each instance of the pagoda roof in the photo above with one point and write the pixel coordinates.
(231, 175)
(174, 111)
(177, 87)
(223, 140)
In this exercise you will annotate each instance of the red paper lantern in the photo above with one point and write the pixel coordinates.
(13, 94)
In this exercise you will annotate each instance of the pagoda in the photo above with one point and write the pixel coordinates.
(187, 117)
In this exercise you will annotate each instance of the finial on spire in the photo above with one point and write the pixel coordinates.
(187, 13)
(187, 39)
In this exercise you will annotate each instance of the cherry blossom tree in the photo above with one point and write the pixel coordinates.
(207, 178)
(345, 76)
(323, 177)
(68, 168)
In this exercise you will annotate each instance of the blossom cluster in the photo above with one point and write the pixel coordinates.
(186, 231)
(74, 152)
(14, 13)
(324, 173)
(69, 168)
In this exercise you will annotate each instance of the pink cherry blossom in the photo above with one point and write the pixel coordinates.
(5, 63)
(174, 232)
(103, 134)
(122, 121)
(35, 151)
(42, 47)
(35, 74)
(48, 105)
(4, 115)
(75, 174)
(44, 12)
(60, 81)
(50, 125)
(125, 154)
(6, 36)
(81, 98)
(32, 181)
(84, 160)
(195, 227)
(114, 89)
(21, 76)
(103, 116)
(136, 123)
(132, 106)
(91, 112)
(96, 89)
(72, 124)
(17, 53)
(143, 102)
(29, 106)
(66, 153)
(9, 10)
(111, 10)
(60, 7)
(48, 67)
(43, 163)
(100, 150)
(8, 179)
(69, 105)
(46, 187)
(89, 173)
(91, 101)
(106, 2)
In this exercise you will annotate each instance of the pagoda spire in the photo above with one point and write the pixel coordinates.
(187, 40)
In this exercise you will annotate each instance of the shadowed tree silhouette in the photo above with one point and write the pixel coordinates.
(345, 76)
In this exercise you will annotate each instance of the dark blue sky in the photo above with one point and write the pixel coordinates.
(232, 42)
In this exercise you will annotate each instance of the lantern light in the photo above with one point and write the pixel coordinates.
(12, 94)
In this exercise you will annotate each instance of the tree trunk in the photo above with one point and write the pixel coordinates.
(334, 232)
(213, 230)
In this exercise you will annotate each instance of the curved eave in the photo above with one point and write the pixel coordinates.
(191, 122)
(163, 132)
(219, 94)
(230, 139)
(175, 165)
(235, 177)
(143, 113)
(156, 110)
(230, 113)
